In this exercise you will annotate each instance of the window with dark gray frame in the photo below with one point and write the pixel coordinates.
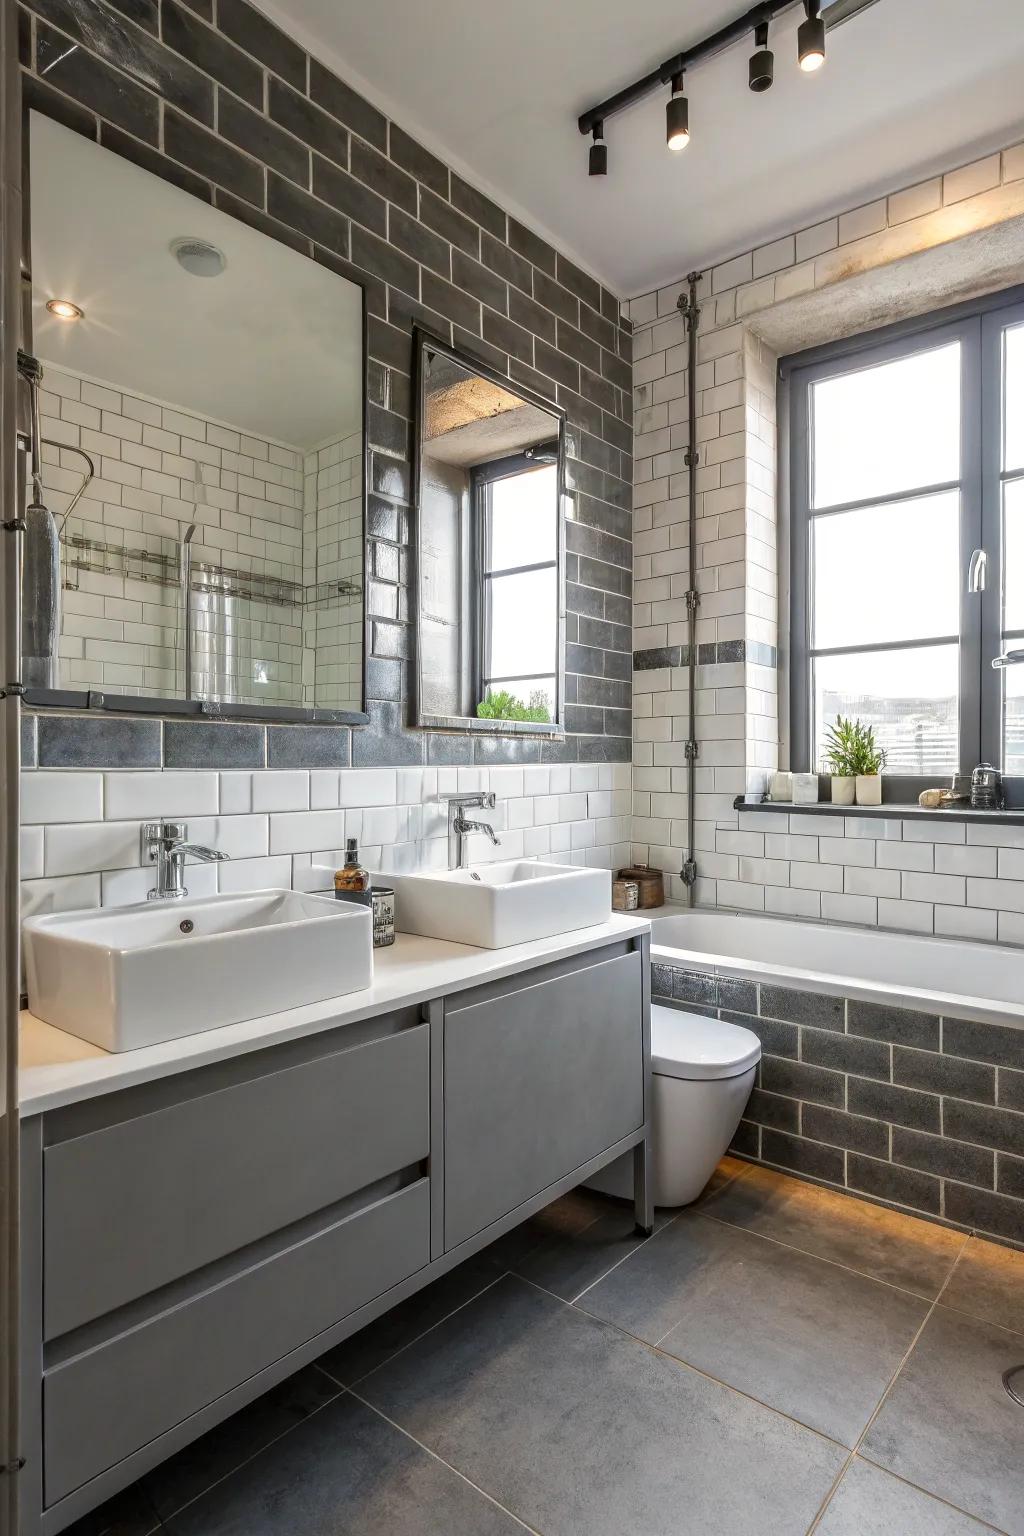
(516, 506)
(906, 471)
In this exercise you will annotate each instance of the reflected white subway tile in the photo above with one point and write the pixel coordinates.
(519, 813)
(545, 810)
(965, 923)
(792, 903)
(89, 846)
(840, 908)
(582, 834)
(536, 842)
(599, 803)
(919, 856)
(1001, 895)
(871, 882)
(934, 832)
(763, 821)
(949, 889)
(384, 824)
(409, 786)
(840, 850)
(1011, 863)
(255, 874)
(31, 856)
(572, 807)
(368, 786)
(66, 893)
(988, 835)
(471, 780)
(306, 831)
(561, 779)
(561, 837)
(147, 796)
(235, 793)
(66, 796)
(273, 790)
(507, 783)
(1011, 928)
(324, 789)
(536, 781)
(734, 893)
(873, 826)
(960, 859)
(240, 837)
(584, 776)
(447, 781)
(908, 916)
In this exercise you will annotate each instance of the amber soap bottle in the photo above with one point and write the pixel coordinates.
(352, 883)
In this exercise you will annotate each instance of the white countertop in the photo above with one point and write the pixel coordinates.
(58, 1068)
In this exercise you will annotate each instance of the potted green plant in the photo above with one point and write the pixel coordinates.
(855, 761)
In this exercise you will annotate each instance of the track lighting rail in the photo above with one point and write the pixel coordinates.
(706, 48)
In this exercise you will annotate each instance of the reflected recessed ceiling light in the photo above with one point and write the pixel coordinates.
(63, 309)
(199, 257)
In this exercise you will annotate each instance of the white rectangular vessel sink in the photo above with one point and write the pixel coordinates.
(129, 976)
(495, 905)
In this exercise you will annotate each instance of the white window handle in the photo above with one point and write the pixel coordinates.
(977, 571)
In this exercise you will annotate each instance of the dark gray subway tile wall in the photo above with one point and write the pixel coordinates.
(886, 1101)
(234, 112)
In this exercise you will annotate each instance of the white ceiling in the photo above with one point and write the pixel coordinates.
(910, 87)
(273, 345)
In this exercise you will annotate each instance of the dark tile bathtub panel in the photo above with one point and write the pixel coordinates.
(885, 1101)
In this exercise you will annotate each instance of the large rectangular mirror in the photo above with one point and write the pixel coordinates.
(489, 491)
(195, 509)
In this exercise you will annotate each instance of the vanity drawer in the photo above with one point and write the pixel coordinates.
(103, 1404)
(137, 1204)
(537, 1080)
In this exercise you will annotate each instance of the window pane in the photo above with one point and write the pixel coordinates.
(1013, 555)
(524, 624)
(885, 429)
(1013, 398)
(910, 697)
(887, 573)
(1013, 720)
(524, 518)
(537, 693)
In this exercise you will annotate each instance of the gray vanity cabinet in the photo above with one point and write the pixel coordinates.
(537, 1080)
(191, 1240)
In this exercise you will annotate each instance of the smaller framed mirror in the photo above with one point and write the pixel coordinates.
(490, 549)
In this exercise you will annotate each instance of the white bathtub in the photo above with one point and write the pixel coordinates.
(946, 976)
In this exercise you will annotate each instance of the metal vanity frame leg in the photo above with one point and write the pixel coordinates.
(643, 1180)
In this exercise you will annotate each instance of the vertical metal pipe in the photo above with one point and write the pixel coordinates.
(688, 308)
(186, 604)
(11, 522)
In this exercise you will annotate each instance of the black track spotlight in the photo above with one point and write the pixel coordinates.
(762, 63)
(599, 152)
(811, 38)
(677, 116)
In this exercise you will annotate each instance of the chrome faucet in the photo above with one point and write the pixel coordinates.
(459, 826)
(164, 843)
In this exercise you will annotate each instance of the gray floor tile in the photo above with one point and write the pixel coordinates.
(344, 1473)
(868, 1502)
(127, 1514)
(949, 1427)
(988, 1282)
(917, 1255)
(379, 1340)
(802, 1335)
(584, 1432)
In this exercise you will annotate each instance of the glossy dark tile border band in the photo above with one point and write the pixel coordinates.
(708, 655)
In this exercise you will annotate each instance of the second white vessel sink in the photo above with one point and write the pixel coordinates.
(495, 905)
(123, 977)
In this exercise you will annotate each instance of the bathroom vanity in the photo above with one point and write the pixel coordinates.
(204, 1216)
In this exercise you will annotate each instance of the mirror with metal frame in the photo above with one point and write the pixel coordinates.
(490, 548)
(195, 499)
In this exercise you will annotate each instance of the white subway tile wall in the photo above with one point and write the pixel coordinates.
(81, 828)
(882, 872)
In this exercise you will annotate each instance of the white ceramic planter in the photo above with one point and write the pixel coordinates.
(805, 789)
(844, 787)
(869, 789)
(780, 786)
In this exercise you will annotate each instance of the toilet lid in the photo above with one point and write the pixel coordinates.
(688, 1045)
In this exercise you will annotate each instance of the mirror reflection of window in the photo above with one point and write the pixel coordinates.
(519, 594)
(489, 551)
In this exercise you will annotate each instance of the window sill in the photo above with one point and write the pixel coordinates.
(891, 810)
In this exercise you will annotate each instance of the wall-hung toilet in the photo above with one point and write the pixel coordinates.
(702, 1073)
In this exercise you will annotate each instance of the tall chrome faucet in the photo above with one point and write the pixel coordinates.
(164, 843)
(459, 826)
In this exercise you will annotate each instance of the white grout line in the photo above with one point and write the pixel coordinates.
(441, 1461)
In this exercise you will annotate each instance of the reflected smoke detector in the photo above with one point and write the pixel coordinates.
(198, 257)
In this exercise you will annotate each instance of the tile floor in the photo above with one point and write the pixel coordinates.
(776, 1360)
